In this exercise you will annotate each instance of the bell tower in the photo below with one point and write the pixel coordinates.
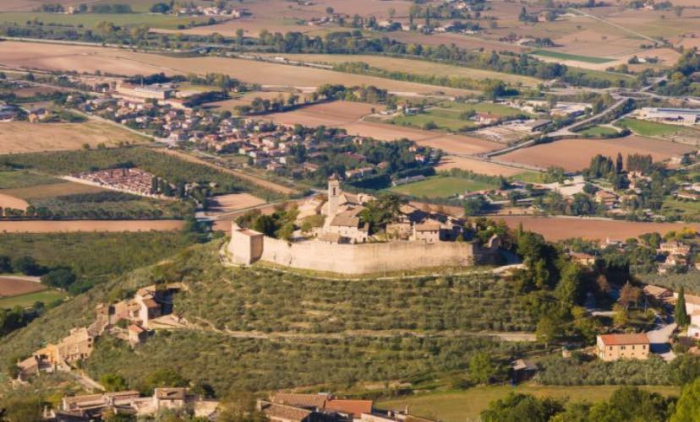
(333, 194)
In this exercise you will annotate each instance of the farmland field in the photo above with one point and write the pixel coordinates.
(25, 301)
(564, 228)
(124, 62)
(572, 57)
(19, 137)
(441, 187)
(448, 115)
(477, 166)
(15, 286)
(8, 201)
(90, 20)
(418, 67)
(89, 226)
(647, 128)
(466, 405)
(576, 154)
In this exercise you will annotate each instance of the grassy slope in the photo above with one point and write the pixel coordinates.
(458, 406)
(267, 301)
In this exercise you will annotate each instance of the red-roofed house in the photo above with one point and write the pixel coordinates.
(612, 347)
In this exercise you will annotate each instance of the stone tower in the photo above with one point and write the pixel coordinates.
(333, 194)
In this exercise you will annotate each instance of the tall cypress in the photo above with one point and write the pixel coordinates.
(680, 313)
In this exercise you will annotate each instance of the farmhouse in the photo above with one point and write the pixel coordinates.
(611, 347)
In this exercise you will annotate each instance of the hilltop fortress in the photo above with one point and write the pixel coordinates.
(413, 239)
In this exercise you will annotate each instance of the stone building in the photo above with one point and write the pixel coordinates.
(611, 347)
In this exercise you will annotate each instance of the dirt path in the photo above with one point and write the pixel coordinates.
(265, 184)
(515, 336)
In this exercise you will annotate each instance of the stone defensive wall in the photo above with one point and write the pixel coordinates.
(247, 247)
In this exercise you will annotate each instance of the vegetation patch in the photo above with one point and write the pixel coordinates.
(573, 57)
(647, 128)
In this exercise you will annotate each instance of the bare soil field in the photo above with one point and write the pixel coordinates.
(20, 137)
(52, 190)
(115, 226)
(564, 228)
(11, 286)
(233, 202)
(418, 67)
(477, 166)
(269, 75)
(576, 154)
(9, 201)
(348, 116)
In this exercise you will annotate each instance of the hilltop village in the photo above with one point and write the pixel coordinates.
(349, 210)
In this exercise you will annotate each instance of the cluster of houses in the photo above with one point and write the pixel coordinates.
(676, 255)
(342, 223)
(290, 407)
(192, 9)
(131, 320)
(92, 407)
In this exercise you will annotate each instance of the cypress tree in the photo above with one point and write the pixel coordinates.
(680, 313)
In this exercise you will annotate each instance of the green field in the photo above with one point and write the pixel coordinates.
(598, 131)
(20, 179)
(687, 210)
(645, 128)
(447, 115)
(460, 406)
(90, 20)
(25, 301)
(440, 187)
(573, 57)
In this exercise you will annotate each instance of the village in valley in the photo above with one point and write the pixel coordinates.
(335, 210)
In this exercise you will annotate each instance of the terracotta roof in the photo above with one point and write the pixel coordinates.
(695, 300)
(302, 400)
(351, 407)
(281, 411)
(624, 339)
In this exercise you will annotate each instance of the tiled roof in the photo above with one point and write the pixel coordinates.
(302, 400)
(281, 411)
(624, 339)
(351, 407)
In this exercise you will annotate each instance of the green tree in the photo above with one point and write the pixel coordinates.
(22, 409)
(547, 330)
(113, 382)
(481, 369)
(521, 408)
(688, 406)
(680, 313)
